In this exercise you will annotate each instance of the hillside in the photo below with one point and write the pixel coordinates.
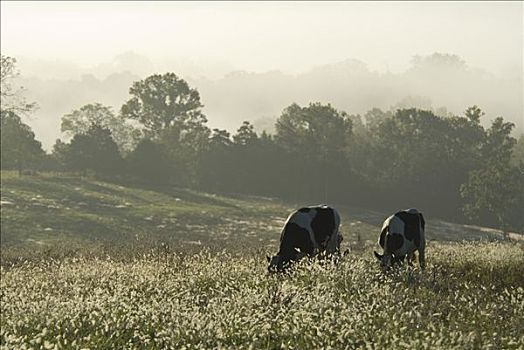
(47, 209)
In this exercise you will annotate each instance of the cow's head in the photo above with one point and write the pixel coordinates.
(388, 260)
(384, 259)
(275, 263)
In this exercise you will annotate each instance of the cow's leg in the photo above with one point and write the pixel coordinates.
(421, 247)
(333, 243)
(411, 258)
(422, 258)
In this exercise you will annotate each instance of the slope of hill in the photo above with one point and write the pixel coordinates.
(47, 209)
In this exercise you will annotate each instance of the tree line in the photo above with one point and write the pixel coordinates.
(449, 166)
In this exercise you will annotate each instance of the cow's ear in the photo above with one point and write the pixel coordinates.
(377, 255)
(268, 258)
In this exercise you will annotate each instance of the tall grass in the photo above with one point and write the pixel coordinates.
(471, 296)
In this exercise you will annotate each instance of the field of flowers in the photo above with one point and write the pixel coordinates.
(471, 296)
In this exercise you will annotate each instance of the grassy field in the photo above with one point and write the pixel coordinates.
(90, 264)
(46, 210)
(50, 210)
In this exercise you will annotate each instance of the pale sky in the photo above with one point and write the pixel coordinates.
(260, 36)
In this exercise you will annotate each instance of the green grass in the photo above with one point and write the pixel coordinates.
(48, 210)
(45, 210)
(130, 267)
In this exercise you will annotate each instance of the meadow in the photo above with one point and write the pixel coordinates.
(92, 264)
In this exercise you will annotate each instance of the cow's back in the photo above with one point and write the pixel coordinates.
(405, 229)
(319, 222)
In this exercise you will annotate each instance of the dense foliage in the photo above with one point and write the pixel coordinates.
(19, 148)
(81, 120)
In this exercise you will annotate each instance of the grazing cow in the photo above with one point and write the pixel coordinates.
(307, 232)
(402, 234)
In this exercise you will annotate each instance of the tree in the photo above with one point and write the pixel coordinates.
(495, 196)
(317, 130)
(185, 142)
(267, 162)
(498, 145)
(80, 121)
(245, 135)
(149, 162)
(375, 116)
(94, 150)
(169, 111)
(11, 98)
(162, 101)
(59, 155)
(360, 143)
(494, 192)
(245, 159)
(220, 139)
(19, 147)
(439, 63)
(314, 138)
(408, 144)
(416, 155)
(216, 167)
(474, 113)
(518, 151)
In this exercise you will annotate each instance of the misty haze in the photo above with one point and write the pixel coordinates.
(440, 81)
(262, 175)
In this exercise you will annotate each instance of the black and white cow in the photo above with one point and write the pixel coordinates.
(307, 232)
(402, 234)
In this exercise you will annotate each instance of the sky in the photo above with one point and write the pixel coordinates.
(260, 36)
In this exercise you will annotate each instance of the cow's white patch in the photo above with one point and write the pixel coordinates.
(303, 220)
(397, 226)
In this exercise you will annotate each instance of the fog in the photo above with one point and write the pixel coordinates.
(250, 60)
